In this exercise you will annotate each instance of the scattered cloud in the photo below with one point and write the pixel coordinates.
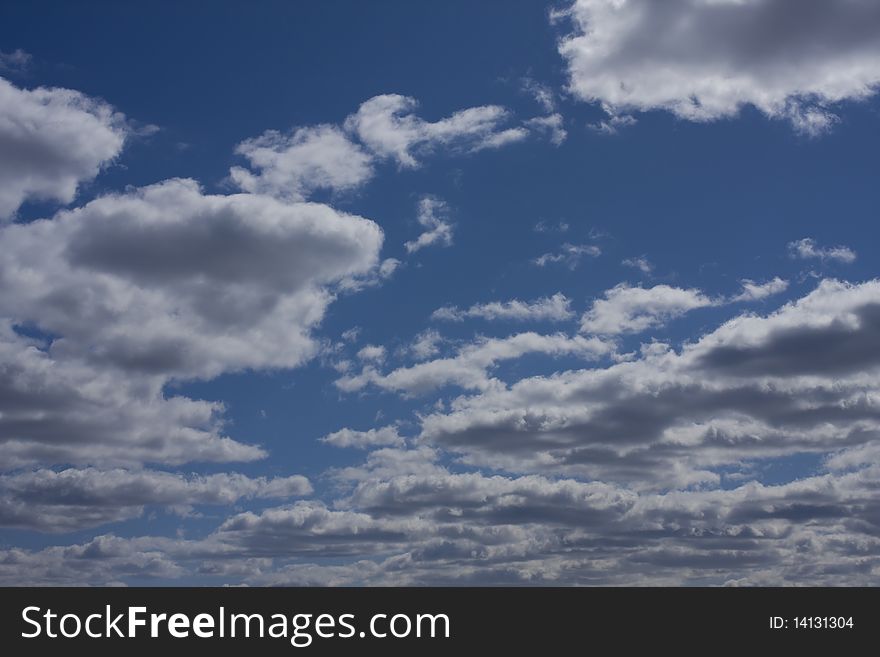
(372, 353)
(364, 439)
(626, 309)
(752, 291)
(469, 368)
(569, 255)
(641, 263)
(552, 125)
(387, 125)
(16, 61)
(807, 248)
(553, 309)
(433, 216)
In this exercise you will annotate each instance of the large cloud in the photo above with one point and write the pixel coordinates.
(57, 411)
(166, 279)
(705, 59)
(134, 290)
(51, 140)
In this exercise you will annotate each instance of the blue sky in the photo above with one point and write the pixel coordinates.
(656, 256)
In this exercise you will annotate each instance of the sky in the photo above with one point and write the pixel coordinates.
(409, 293)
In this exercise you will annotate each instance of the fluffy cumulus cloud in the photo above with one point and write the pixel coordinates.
(554, 309)
(135, 290)
(626, 309)
(705, 59)
(61, 411)
(51, 141)
(293, 166)
(169, 280)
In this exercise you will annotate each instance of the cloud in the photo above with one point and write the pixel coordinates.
(372, 353)
(16, 61)
(387, 125)
(544, 227)
(311, 528)
(613, 124)
(425, 344)
(553, 309)
(753, 291)
(167, 280)
(137, 290)
(69, 500)
(641, 263)
(807, 248)
(295, 165)
(469, 367)
(66, 411)
(433, 214)
(542, 94)
(800, 380)
(342, 158)
(438, 527)
(703, 60)
(51, 141)
(628, 309)
(364, 439)
(552, 125)
(570, 255)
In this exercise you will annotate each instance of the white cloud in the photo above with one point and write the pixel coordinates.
(641, 263)
(628, 309)
(554, 309)
(469, 367)
(388, 127)
(552, 124)
(141, 289)
(807, 248)
(433, 216)
(293, 166)
(73, 499)
(704, 59)
(570, 255)
(364, 439)
(753, 291)
(802, 379)
(372, 353)
(543, 94)
(51, 141)
(168, 280)
(425, 344)
(613, 124)
(66, 411)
